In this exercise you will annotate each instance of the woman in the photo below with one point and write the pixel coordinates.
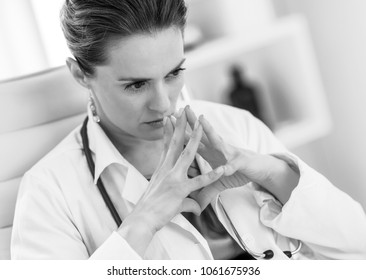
(159, 166)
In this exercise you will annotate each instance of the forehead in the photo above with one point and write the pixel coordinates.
(145, 55)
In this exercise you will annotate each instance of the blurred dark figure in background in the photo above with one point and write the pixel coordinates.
(243, 93)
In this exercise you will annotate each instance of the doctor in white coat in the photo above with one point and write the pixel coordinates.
(246, 192)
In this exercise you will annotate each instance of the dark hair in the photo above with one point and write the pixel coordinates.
(90, 25)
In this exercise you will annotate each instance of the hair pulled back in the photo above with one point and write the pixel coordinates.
(90, 25)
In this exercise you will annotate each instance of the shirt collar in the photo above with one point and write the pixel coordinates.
(105, 153)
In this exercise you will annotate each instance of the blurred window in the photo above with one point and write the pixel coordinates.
(31, 38)
(47, 17)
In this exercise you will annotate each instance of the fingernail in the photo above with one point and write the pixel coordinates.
(201, 117)
(196, 124)
(173, 119)
(180, 112)
(197, 213)
(219, 170)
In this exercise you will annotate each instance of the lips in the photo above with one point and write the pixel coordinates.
(156, 124)
(155, 121)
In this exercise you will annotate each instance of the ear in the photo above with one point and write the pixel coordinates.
(77, 73)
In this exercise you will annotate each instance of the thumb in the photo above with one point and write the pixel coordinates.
(190, 205)
(230, 169)
(209, 193)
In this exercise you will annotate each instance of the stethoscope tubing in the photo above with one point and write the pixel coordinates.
(91, 165)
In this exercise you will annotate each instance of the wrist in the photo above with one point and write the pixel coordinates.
(285, 180)
(137, 232)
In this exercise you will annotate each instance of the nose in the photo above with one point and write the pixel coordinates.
(160, 101)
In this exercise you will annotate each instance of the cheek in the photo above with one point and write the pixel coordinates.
(176, 91)
(119, 108)
(129, 109)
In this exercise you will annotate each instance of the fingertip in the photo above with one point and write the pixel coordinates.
(197, 212)
(184, 115)
(197, 130)
(220, 170)
(168, 125)
(204, 206)
(203, 121)
(180, 112)
(182, 118)
(228, 170)
(189, 111)
(173, 120)
(196, 124)
(191, 117)
(168, 120)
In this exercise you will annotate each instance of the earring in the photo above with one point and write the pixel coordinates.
(93, 109)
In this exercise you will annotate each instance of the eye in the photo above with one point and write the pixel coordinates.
(176, 73)
(136, 86)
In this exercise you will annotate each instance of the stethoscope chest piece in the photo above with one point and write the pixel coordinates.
(268, 254)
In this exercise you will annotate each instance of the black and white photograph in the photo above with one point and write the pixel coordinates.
(182, 130)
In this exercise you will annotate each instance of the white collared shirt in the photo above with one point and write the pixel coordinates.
(60, 213)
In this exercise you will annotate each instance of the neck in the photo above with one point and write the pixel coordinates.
(143, 154)
(127, 144)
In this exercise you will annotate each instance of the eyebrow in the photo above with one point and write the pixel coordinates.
(136, 79)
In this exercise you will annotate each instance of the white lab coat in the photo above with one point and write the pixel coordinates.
(60, 213)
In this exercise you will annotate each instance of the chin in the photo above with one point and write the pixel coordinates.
(153, 135)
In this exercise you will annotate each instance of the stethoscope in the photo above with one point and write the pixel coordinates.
(84, 137)
(266, 254)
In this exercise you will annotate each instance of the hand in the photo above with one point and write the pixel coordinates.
(168, 190)
(241, 166)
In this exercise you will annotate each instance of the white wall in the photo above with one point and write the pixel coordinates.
(48, 22)
(21, 48)
(218, 18)
(338, 29)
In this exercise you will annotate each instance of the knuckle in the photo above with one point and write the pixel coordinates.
(194, 134)
(186, 153)
(166, 146)
(181, 190)
(174, 141)
(176, 184)
(211, 176)
(195, 181)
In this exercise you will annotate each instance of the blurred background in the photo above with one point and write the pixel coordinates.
(298, 65)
